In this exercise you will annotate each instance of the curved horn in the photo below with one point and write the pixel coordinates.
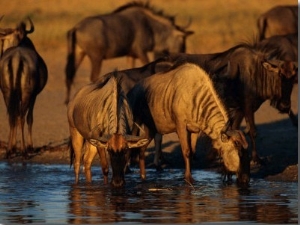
(31, 30)
(141, 129)
(238, 136)
(187, 25)
(132, 137)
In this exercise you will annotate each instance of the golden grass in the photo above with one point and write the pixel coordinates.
(218, 24)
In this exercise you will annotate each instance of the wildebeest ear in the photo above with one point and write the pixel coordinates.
(188, 32)
(235, 135)
(137, 144)
(98, 143)
(270, 67)
(224, 137)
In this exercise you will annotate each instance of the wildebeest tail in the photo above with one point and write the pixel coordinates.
(70, 68)
(71, 151)
(261, 24)
(15, 107)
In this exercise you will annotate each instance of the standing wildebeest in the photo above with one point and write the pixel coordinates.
(250, 81)
(99, 116)
(286, 46)
(133, 30)
(279, 20)
(11, 37)
(129, 77)
(184, 100)
(23, 75)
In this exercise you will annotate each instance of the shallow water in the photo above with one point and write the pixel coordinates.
(46, 194)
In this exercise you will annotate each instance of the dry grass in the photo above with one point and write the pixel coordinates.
(218, 24)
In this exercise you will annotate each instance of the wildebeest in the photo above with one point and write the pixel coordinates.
(100, 117)
(23, 75)
(184, 100)
(279, 20)
(133, 30)
(285, 46)
(11, 37)
(129, 77)
(250, 81)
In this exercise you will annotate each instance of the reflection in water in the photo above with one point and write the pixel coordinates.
(46, 194)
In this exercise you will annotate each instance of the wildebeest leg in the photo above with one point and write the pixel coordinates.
(293, 118)
(88, 159)
(194, 139)
(96, 62)
(12, 138)
(144, 58)
(249, 117)
(142, 163)
(29, 124)
(237, 120)
(149, 134)
(104, 164)
(73, 63)
(185, 142)
(131, 61)
(158, 151)
(244, 172)
(77, 143)
(23, 146)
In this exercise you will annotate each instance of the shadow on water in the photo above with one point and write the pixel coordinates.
(46, 194)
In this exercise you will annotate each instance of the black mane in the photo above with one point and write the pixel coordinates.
(145, 5)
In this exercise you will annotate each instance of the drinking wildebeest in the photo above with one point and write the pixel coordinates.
(279, 20)
(99, 117)
(184, 100)
(23, 75)
(133, 30)
(250, 81)
(128, 78)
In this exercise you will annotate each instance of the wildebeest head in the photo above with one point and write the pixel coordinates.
(14, 36)
(175, 41)
(235, 154)
(117, 146)
(286, 72)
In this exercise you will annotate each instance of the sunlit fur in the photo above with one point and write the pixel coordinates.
(100, 115)
(184, 100)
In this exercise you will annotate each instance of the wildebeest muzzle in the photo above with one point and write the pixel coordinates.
(284, 106)
(118, 163)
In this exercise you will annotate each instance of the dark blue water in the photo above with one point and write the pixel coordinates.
(46, 194)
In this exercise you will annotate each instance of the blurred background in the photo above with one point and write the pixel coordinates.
(218, 25)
